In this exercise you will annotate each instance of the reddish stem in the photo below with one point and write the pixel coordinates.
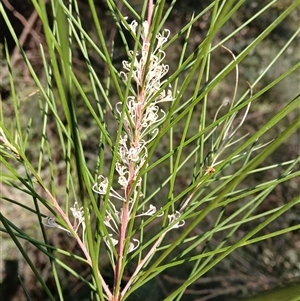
(125, 210)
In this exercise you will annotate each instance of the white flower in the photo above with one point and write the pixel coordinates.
(133, 25)
(110, 242)
(77, 213)
(51, 223)
(101, 187)
(151, 211)
(79, 220)
(133, 247)
(113, 226)
(174, 217)
(162, 39)
(123, 174)
(145, 31)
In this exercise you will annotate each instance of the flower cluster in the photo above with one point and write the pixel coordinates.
(140, 120)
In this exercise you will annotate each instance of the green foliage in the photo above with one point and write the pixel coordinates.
(200, 162)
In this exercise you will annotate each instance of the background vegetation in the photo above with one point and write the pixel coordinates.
(271, 68)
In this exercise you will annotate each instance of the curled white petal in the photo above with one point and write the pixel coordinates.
(174, 217)
(133, 247)
(110, 239)
(110, 243)
(150, 212)
(133, 25)
(51, 223)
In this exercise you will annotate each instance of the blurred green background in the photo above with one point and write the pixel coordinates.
(263, 266)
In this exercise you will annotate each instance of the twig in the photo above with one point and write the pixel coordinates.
(143, 262)
(79, 241)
